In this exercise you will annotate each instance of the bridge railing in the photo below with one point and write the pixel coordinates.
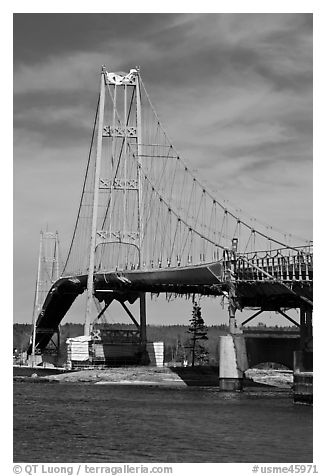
(285, 251)
(282, 264)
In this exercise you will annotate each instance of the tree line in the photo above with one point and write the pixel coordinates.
(195, 343)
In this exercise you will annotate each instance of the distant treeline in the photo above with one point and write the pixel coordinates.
(174, 337)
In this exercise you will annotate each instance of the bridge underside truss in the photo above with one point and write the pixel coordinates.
(126, 286)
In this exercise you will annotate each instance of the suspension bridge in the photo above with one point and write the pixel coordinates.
(147, 224)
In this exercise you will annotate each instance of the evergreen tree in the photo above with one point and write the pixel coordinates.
(198, 332)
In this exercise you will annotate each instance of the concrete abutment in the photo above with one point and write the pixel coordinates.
(233, 362)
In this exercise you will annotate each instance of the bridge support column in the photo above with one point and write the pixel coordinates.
(232, 324)
(309, 324)
(303, 358)
(142, 299)
(306, 329)
(143, 334)
(303, 327)
(233, 362)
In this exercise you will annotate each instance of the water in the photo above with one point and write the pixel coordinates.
(102, 423)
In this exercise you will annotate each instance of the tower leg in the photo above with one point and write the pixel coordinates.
(87, 324)
(90, 277)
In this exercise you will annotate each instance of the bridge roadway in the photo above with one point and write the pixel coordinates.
(215, 279)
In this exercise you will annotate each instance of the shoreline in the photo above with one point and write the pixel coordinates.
(163, 377)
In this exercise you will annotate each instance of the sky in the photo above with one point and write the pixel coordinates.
(233, 91)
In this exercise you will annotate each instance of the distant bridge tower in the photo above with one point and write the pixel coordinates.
(48, 272)
(117, 185)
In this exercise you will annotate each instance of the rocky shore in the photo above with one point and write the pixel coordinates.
(271, 377)
(165, 376)
(121, 376)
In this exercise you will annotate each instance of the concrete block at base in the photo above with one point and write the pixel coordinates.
(155, 352)
(233, 362)
(231, 384)
(38, 360)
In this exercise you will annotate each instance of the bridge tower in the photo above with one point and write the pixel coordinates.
(117, 217)
(48, 272)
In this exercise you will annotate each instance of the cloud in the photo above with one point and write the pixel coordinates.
(55, 127)
(78, 71)
(233, 91)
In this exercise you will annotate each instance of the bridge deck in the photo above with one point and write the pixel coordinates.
(206, 279)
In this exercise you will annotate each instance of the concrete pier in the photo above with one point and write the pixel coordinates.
(303, 377)
(233, 362)
(303, 387)
(303, 361)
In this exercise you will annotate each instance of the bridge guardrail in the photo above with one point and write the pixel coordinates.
(255, 266)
